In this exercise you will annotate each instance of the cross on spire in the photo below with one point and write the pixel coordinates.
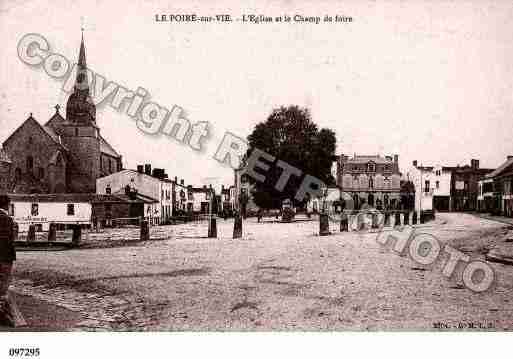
(57, 107)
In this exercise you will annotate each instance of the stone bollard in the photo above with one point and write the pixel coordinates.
(145, 231)
(237, 226)
(324, 224)
(212, 227)
(52, 232)
(392, 220)
(31, 235)
(344, 223)
(375, 220)
(381, 220)
(77, 235)
(352, 223)
(360, 217)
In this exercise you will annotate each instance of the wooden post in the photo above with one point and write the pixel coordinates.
(324, 224)
(31, 236)
(145, 231)
(237, 226)
(77, 235)
(212, 227)
(344, 222)
(52, 232)
(397, 219)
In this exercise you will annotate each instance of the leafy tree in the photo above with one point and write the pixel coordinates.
(290, 135)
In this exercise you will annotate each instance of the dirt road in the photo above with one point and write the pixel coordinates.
(281, 277)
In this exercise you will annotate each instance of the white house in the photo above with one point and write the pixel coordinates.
(432, 186)
(42, 209)
(154, 185)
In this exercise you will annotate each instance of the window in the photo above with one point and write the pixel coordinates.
(11, 209)
(426, 187)
(17, 174)
(437, 184)
(76, 131)
(41, 173)
(110, 166)
(30, 163)
(71, 209)
(34, 211)
(371, 167)
(438, 173)
(371, 182)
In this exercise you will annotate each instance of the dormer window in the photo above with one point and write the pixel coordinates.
(371, 167)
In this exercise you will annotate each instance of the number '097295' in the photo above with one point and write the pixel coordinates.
(24, 352)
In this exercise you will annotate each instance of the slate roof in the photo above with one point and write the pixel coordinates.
(106, 148)
(365, 159)
(500, 169)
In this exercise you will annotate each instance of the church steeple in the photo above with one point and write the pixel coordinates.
(82, 82)
(80, 107)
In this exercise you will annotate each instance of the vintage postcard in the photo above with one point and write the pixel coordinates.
(276, 166)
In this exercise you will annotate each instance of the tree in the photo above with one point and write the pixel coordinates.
(289, 135)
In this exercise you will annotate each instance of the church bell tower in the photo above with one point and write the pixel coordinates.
(80, 134)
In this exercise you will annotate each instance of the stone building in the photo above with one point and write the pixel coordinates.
(374, 180)
(465, 187)
(495, 190)
(65, 155)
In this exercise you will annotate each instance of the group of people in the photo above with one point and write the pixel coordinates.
(7, 258)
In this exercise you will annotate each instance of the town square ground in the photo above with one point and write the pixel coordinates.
(280, 276)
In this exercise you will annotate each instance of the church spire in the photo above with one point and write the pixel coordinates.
(82, 82)
(80, 107)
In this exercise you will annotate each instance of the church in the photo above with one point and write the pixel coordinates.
(64, 155)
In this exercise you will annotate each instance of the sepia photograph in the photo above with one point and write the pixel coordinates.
(254, 168)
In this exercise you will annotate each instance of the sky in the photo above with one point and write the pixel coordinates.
(431, 81)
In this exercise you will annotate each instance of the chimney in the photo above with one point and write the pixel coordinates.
(182, 182)
(415, 163)
(474, 164)
(140, 168)
(108, 190)
(176, 179)
(510, 157)
(127, 190)
(147, 169)
(396, 158)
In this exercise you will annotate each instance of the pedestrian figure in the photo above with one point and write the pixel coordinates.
(7, 258)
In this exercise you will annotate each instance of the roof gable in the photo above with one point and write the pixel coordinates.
(31, 121)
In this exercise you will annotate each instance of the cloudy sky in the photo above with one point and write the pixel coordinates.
(429, 81)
